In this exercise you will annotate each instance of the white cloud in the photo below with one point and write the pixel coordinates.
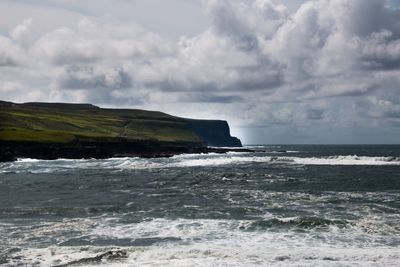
(21, 32)
(266, 65)
(9, 53)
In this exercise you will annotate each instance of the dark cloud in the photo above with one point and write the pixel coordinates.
(210, 98)
(88, 77)
(394, 114)
(9, 53)
(315, 114)
(227, 21)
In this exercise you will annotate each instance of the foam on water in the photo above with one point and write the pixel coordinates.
(234, 209)
(209, 242)
(347, 160)
(213, 255)
(189, 160)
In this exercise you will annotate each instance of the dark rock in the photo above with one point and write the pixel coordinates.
(107, 256)
(6, 154)
(214, 132)
(10, 150)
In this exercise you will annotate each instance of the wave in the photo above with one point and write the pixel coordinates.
(213, 254)
(194, 160)
(209, 242)
(347, 160)
(189, 160)
(297, 222)
(106, 256)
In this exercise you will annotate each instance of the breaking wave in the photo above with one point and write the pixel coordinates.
(216, 243)
(297, 222)
(189, 160)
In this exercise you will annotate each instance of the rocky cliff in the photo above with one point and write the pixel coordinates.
(214, 132)
(54, 130)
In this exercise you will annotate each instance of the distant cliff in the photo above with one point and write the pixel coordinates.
(214, 132)
(51, 130)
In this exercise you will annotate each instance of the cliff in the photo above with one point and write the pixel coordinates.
(214, 132)
(54, 130)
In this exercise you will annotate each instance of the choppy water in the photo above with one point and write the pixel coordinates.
(307, 206)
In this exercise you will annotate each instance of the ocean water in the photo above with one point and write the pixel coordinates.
(280, 206)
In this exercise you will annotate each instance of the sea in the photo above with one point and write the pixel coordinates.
(292, 205)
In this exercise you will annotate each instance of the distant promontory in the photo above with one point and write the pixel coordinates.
(60, 130)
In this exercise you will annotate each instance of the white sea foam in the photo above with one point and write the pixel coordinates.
(234, 255)
(189, 160)
(346, 160)
(284, 152)
(28, 160)
(218, 160)
(209, 242)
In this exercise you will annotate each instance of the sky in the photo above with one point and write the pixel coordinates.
(279, 71)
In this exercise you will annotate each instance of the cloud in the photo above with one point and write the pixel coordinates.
(22, 31)
(267, 64)
(88, 42)
(210, 98)
(80, 77)
(9, 53)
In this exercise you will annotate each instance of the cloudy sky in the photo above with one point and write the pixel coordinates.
(280, 71)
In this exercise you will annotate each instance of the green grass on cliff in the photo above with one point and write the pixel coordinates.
(65, 123)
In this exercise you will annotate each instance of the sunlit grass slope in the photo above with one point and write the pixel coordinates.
(63, 123)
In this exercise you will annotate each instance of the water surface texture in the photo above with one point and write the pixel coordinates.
(289, 206)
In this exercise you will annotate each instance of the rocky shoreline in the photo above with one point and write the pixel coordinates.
(11, 151)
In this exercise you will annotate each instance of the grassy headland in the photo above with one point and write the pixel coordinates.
(58, 130)
(65, 123)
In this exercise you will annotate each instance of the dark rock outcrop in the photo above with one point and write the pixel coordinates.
(10, 150)
(100, 258)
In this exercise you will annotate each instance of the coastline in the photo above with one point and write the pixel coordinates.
(11, 151)
(82, 131)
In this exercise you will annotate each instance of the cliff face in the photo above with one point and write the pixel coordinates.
(214, 132)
